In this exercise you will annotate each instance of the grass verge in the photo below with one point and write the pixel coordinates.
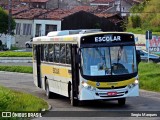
(21, 69)
(15, 54)
(140, 31)
(149, 75)
(11, 100)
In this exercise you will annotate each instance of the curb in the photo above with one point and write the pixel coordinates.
(49, 107)
(15, 59)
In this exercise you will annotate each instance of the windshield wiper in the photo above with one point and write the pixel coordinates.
(119, 54)
(103, 66)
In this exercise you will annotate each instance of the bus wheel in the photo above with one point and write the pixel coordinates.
(74, 102)
(48, 93)
(122, 101)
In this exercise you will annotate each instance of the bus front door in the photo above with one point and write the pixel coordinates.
(75, 75)
(38, 65)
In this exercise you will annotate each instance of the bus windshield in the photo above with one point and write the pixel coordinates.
(102, 61)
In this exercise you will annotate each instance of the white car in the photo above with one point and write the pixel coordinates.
(28, 44)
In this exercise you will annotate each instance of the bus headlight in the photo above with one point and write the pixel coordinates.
(133, 84)
(89, 87)
(136, 81)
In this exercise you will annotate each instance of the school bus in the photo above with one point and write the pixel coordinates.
(86, 65)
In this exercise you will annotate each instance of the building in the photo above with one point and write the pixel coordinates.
(28, 26)
(44, 4)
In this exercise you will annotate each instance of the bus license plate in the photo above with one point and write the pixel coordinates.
(112, 93)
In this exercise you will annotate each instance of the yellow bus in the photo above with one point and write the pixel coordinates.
(86, 65)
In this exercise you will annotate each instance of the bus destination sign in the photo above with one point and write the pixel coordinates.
(107, 38)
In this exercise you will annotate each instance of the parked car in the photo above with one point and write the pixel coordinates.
(28, 44)
(152, 57)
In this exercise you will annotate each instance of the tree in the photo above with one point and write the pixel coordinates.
(4, 22)
(136, 21)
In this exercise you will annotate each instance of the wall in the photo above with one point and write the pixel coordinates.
(3, 38)
(51, 4)
(21, 39)
(44, 23)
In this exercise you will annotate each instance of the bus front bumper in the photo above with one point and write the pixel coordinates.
(99, 94)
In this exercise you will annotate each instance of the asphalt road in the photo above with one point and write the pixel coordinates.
(147, 101)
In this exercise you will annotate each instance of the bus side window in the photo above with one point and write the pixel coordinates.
(42, 52)
(68, 54)
(51, 52)
(56, 53)
(34, 52)
(62, 53)
(45, 52)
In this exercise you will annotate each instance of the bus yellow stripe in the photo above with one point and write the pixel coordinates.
(110, 84)
(55, 71)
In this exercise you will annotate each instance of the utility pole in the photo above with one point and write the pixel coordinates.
(120, 7)
(9, 23)
(58, 4)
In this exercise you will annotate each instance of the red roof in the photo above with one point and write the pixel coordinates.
(34, 1)
(19, 9)
(30, 14)
(60, 14)
(102, 1)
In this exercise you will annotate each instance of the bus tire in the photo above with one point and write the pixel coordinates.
(122, 101)
(74, 102)
(48, 93)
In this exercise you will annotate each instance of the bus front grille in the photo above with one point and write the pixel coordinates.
(104, 94)
(111, 87)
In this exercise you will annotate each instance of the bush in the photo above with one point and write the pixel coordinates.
(136, 21)
(149, 75)
(11, 100)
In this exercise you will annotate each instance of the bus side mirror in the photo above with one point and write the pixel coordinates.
(138, 57)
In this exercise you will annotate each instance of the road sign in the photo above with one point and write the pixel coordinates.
(149, 34)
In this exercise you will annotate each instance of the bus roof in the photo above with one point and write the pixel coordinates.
(71, 35)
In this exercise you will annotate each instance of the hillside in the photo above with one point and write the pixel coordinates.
(145, 16)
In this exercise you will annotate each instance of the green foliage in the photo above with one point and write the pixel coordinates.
(136, 21)
(137, 8)
(4, 22)
(16, 101)
(20, 69)
(149, 14)
(15, 54)
(149, 75)
(14, 48)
